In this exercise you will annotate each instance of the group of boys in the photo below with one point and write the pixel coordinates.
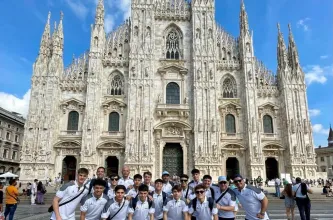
(141, 199)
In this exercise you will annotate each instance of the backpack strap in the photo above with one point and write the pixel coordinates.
(194, 204)
(212, 192)
(210, 203)
(164, 198)
(134, 201)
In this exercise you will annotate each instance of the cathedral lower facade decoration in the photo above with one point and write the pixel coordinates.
(169, 89)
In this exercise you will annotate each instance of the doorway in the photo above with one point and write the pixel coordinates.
(111, 164)
(173, 159)
(232, 166)
(272, 168)
(69, 168)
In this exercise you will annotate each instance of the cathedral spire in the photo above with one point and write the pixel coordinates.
(330, 137)
(58, 37)
(244, 22)
(45, 41)
(99, 17)
(292, 52)
(281, 51)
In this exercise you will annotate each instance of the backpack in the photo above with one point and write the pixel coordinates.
(164, 195)
(210, 203)
(134, 201)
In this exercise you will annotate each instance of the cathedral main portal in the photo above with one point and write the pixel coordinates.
(173, 159)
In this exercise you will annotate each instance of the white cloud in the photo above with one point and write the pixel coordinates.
(319, 129)
(302, 23)
(323, 57)
(109, 23)
(78, 8)
(15, 104)
(315, 74)
(314, 112)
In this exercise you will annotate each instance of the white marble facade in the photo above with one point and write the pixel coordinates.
(227, 103)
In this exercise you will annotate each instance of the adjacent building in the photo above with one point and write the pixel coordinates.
(11, 138)
(324, 156)
(169, 89)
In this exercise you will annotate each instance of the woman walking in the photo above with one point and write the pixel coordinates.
(40, 193)
(289, 201)
(300, 191)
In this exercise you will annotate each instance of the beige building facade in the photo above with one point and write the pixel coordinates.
(324, 157)
(169, 89)
(11, 138)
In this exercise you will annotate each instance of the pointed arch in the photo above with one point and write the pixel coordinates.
(229, 87)
(117, 83)
(173, 42)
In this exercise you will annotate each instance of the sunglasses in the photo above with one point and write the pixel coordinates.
(114, 179)
(183, 181)
(199, 192)
(237, 181)
(222, 182)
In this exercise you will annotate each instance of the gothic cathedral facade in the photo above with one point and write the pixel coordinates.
(169, 89)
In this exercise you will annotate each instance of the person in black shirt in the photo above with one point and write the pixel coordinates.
(1, 197)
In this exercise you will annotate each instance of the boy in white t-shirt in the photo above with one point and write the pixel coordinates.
(175, 209)
(141, 207)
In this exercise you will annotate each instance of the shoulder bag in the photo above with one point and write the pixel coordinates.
(16, 198)
(117, 211)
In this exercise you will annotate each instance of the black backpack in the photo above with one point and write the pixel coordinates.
(210, 203)
(134, 201)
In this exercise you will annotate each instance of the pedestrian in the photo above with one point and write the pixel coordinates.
(289, 201)
(100, 173)
(147, 180)
(202, 207)
(93, 204)
(141, 207)
(114, 178)
(225, 200)
(277, 187)
(253, 200)
(175, 209)
(160, 199)
(33, 192)
(1, 199)
(186, 192)
(167, 184)
(135, 190)
(40, 193)
(194, 182)
(11, 199)
(116, 208)
(126, 180)
(28, 189)
(300, 191)
(73, 192)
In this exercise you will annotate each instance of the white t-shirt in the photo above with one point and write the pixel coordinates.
(175, 209)
(167, 188)
(142, 210)
(112, 207)
(126, 182)
(66, 193)
(133, 192)
(228, 199)
(202, 211)
(93, 206)
(250, 197)
(297, 188)
(158, 202)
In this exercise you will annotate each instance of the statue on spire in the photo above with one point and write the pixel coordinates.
(292, 52)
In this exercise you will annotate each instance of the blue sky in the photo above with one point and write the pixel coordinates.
(22, 23)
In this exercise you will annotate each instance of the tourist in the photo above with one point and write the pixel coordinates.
(167, 184)
(175, 209)
(300, 191)
(57, 182)
(73, 191)
(253, 200)
(116, 208)
(160, 198)
(147, 180)
(40, 193)
(93, 204)
(195, 181)
(34, 192)
(113, 183)
(289, 201)
(277, 182)
(28, 189)
(225, 200)
(126, 180)
(100, 172)
(186, 192)
(207, 183)
(135, 190)
(11, 199)
(202, 207)
(141, 207)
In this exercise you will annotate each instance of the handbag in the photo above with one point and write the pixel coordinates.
(16, 198)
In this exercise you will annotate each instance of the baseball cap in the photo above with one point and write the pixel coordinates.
(222, 178)
(165, 173)
(238, 176)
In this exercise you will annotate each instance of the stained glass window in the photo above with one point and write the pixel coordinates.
(114, 121)
(230, 125)
(172, 93)
(117, 85)
(173, 45)
(268, 124)
(229, 88)
(73, 121)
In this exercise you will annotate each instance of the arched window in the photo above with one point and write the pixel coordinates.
(73, 121)
(117, 84)
(114, 121)
(172, 93)
(173, 45)
(230, 125)
(268, 124)
(229, 88)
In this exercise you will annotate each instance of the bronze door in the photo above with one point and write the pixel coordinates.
(173, 159)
